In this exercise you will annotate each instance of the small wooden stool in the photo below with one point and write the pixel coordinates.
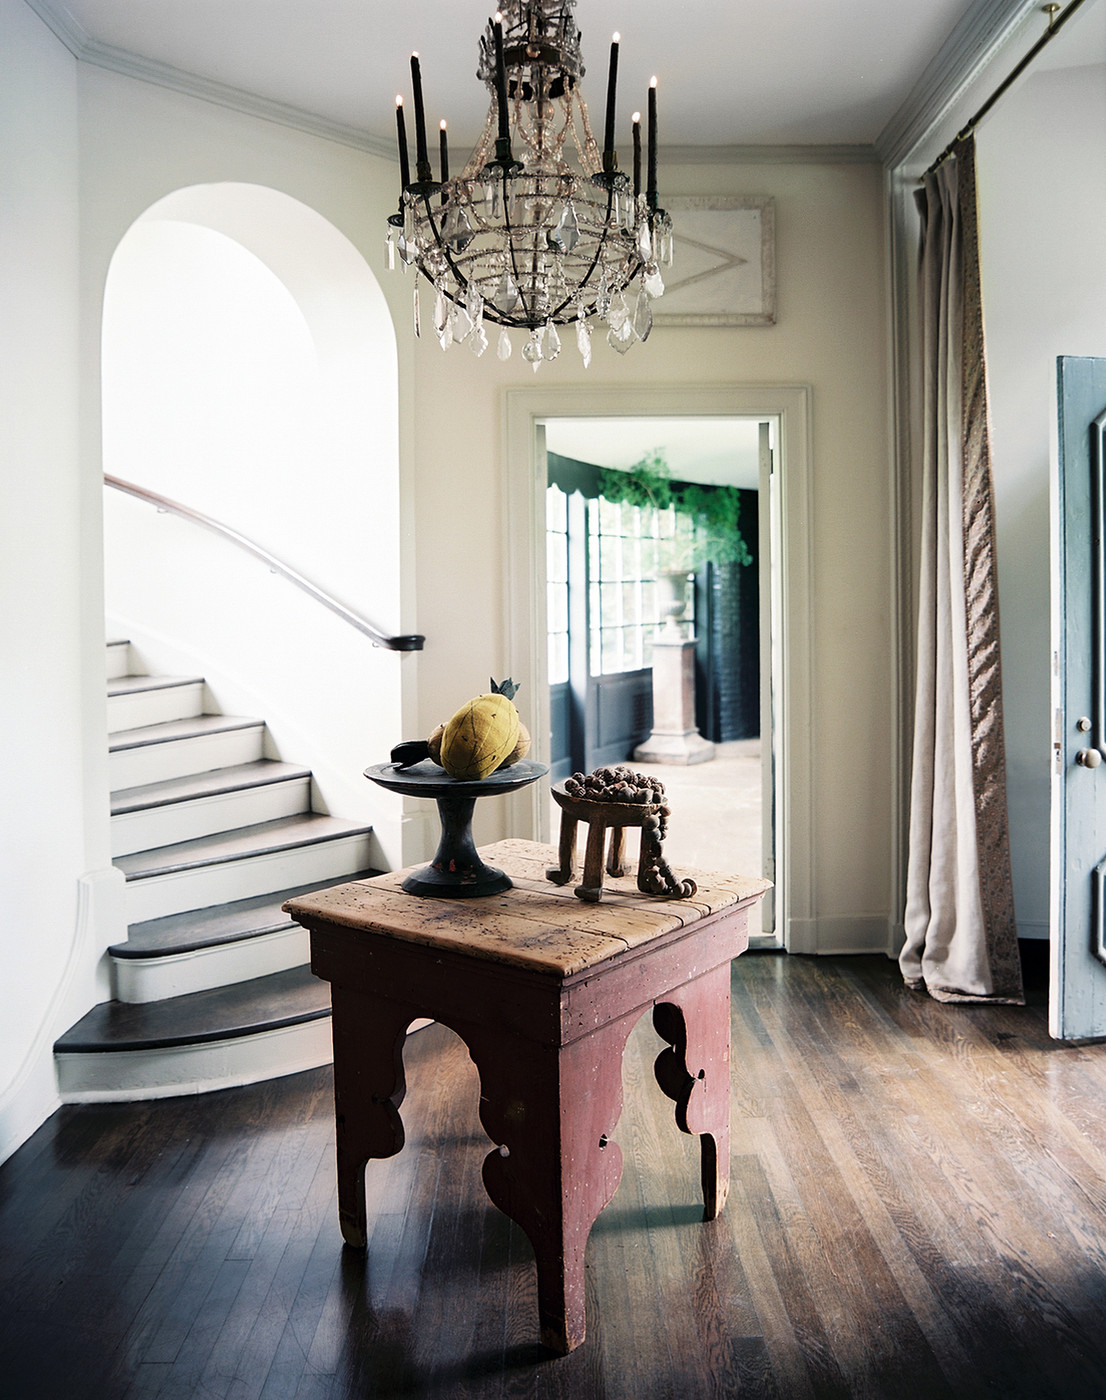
(544, 992)
(653, 874)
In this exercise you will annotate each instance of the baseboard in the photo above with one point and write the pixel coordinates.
(851, 933)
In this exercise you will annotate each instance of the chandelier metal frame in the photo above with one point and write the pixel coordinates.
(521, 238)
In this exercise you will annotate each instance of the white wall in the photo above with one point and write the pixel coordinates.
(1042, 195)
(53, 848)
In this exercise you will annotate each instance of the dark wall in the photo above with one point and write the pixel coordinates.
(727, 607)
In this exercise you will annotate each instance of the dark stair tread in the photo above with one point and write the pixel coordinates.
(284, 834)
(214, 783)
(178, 729)
(137, 685)
(222, 923)
(223, 1013)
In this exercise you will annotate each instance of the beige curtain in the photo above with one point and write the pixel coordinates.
(961, 938)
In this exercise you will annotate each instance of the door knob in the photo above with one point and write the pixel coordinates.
(1089, 758)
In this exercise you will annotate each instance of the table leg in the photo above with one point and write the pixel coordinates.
(554, 1167)
(369, 1086)
(695, 1072)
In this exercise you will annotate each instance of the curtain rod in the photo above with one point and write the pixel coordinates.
(1054, 26)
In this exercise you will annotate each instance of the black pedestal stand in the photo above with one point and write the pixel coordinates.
(456, 872)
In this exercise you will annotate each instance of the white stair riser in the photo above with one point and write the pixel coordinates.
(152, 763)
(205, 816)
(157, 895)
(136, 708)
(118, 659)
(155, 979)
(193, 1069)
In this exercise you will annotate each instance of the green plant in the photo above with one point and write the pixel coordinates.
(713, 510)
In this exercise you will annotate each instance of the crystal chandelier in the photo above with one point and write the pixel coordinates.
(520, 238)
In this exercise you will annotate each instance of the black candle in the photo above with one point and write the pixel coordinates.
(500, 77)
(637, 154)
(651, 189)
(404, 168)
(612, 78)
(422, 158)
(443, 151)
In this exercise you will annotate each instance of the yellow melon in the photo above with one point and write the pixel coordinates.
(479, 737)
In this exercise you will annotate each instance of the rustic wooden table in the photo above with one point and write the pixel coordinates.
(544, 991)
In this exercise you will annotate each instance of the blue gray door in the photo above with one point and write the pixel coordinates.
(1077, 992)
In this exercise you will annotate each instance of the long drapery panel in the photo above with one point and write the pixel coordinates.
(961, 935)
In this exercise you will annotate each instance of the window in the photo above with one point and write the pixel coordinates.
(556, 553)
(626, 550)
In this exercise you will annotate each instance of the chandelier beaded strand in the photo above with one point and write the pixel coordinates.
(520, 238)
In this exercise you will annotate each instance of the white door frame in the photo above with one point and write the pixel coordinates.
(789, 405)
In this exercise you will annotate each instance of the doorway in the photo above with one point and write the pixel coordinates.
(788, 408)
(652, 537)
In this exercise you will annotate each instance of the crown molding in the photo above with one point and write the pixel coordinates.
(88, 50)
(986, 26)
(73, 35)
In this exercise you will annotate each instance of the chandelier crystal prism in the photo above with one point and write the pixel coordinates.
(522, 237)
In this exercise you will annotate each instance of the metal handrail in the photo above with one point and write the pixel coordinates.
(408, 642)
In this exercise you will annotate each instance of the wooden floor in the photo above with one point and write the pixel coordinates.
(918, 1209)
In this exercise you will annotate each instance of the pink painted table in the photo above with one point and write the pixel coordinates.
(544, 991)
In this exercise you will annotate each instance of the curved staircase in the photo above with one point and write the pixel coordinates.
(213, 834)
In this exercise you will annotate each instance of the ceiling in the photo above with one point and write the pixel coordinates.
(717, 451)
(794, 72)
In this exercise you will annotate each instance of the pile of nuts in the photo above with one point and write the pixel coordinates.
(619, 784)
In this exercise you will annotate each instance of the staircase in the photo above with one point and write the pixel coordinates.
(213, 835)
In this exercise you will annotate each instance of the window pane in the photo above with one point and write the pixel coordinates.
(558, 657)
(556, 557)
(558, 607)
(610, 516)
(556, 509)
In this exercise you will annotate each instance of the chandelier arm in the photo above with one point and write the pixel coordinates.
(491, 312)
(529, 321)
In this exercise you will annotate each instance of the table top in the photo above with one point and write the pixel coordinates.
(536, 924)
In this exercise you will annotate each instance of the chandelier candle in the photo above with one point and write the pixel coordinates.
(404, 167)
(609, 161)
(651, 190)
(540, 229)
(500, 78)
(422, 156)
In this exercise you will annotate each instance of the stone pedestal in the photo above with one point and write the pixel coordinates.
(675, 737)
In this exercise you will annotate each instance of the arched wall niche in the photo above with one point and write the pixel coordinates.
(249, 372)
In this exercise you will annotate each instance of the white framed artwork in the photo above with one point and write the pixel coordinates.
(723, 269)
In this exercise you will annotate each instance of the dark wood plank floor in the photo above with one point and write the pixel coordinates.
(918, 1209)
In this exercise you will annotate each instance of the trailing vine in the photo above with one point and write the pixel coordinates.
(714, 510)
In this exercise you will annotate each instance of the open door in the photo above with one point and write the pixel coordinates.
(1077, 985)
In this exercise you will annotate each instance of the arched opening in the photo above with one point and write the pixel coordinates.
(250, 373)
